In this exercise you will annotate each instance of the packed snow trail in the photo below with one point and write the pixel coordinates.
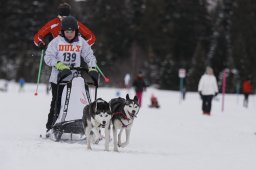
(176, 136)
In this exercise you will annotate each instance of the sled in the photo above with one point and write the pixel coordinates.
(75, 97)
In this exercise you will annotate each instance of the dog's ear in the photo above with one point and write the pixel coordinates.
(106, 106)
(127, 97)
(110, 108)
(135, 98)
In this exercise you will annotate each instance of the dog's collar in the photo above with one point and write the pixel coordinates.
(124, 117)
(130, 121)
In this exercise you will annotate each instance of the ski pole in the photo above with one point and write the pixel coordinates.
(105, 78)
(39, 72)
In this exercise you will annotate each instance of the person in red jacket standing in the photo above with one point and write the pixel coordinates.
(140, 86)
(53, 27)
(247, 90)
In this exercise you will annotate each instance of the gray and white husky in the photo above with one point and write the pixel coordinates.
(123, 113)
(95, 116)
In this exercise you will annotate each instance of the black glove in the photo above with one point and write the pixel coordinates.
(41, 45)
(94, 75)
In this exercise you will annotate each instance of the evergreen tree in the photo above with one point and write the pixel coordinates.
(156, 37)
(243, 32)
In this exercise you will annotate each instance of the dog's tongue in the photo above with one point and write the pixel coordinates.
(131, 114)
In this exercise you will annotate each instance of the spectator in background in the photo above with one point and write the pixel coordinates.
(21, 84)
(154, 102)
(6, 86)
(247, 90)
(139, 85)
(127, 81)
(207, 89)
(3, 85)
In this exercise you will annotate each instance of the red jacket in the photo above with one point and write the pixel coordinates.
(54, 27)
(247, 87)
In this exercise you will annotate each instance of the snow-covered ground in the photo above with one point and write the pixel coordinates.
(175, 137)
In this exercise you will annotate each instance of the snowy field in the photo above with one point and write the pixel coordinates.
(175, 137)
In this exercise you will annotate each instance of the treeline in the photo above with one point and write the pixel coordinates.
(155, 37)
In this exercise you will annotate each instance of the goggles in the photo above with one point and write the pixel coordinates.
(69, 31)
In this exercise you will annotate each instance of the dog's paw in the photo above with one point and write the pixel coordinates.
(115, 149)
(82, 137)
(89, 148)
(96, 142)
(123, 145)
(101, 137)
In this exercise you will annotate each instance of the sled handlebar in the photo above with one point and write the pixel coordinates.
(82, 69)
(87, 70)
(79, 69)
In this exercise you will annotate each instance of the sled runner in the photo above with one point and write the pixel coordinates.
(75, 97)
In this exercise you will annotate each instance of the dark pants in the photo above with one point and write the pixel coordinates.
(56, 97)
(246, 99)
(207, 103)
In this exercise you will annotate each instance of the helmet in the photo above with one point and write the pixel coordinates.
(64, 9)
(69, 23)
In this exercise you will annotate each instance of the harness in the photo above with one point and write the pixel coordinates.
(124, 117)
(117, 105)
